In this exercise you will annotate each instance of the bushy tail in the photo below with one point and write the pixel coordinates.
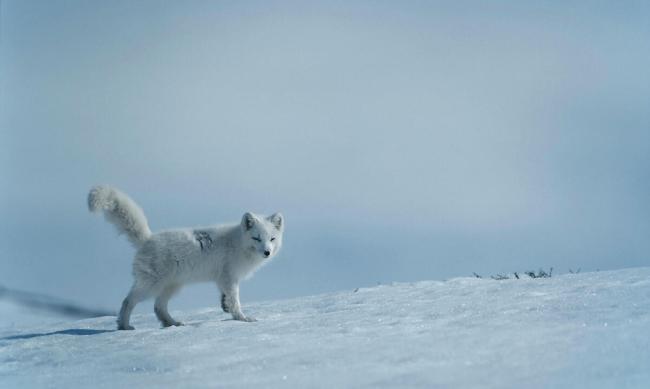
(121, 211)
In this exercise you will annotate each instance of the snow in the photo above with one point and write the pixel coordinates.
(15, 317)
(589, 330)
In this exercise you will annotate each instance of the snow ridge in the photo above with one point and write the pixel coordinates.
(586, 330)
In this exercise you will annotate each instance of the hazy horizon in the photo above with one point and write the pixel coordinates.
(401, 141)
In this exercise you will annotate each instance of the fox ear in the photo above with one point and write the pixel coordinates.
(277, 220)
(248, 221)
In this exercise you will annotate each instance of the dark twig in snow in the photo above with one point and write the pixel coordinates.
(540, 273)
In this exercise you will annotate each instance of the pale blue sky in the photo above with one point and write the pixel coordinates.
(402, 140)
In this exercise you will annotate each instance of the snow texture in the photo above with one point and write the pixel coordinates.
(589, 330)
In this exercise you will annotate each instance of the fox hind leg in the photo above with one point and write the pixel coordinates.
(136, 295)
(160, 306)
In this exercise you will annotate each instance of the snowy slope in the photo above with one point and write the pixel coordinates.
(14, 317)
(588, 330)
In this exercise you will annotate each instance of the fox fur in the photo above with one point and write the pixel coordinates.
(167, 260)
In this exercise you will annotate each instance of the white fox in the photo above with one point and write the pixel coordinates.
(166, 260)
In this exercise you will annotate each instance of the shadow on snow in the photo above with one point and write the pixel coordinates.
(74, 331)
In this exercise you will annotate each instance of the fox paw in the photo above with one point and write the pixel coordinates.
(247, 319)
(173, 324)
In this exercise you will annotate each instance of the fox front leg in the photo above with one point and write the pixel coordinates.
(223, 303)
(230, 303)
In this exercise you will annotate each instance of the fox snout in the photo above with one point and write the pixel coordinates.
(267, 250)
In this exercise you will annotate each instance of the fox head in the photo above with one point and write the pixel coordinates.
(263, 235)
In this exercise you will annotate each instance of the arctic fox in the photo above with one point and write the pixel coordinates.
(166, 260)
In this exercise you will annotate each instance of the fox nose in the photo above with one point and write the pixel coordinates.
(267, 253)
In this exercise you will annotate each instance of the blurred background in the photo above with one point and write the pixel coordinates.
(402, 141)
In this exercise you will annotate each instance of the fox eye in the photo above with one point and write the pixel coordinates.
(257, 239)
(272, 239)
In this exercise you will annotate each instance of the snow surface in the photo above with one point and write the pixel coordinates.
(588, 330)
(14, 317)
